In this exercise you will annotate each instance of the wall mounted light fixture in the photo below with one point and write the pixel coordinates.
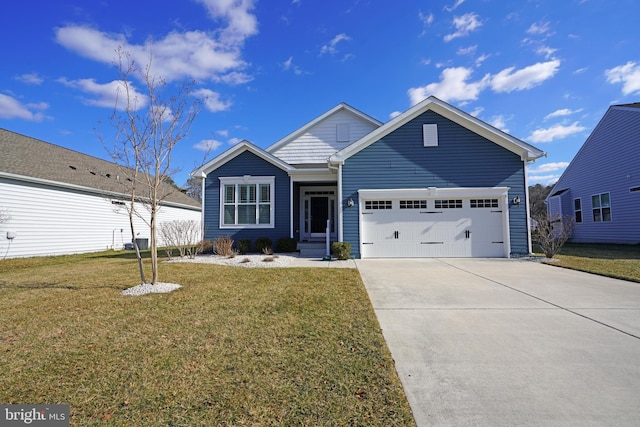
(516, 200)
(350, 203)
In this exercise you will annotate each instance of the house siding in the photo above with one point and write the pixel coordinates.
(243, 164)
(608, 162)
(462, 159)
(320, 141)
(52, 220)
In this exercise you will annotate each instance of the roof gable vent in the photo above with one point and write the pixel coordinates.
(430, 135)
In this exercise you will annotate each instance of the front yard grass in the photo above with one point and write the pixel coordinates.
(618, 261)
(234, 346)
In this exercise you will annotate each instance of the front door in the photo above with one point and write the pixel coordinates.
(318, 206)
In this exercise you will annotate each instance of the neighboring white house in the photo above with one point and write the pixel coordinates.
(57, 201)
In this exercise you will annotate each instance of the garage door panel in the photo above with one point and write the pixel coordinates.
(453, 228)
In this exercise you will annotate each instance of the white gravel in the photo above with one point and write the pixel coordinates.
(148, 288)
(249, 261)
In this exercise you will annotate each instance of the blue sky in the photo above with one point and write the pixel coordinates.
(545, 71)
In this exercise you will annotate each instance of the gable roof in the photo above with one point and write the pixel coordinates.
(633, 108)
(235, 151)
(524, 150)
(29, 159)
(305, 128)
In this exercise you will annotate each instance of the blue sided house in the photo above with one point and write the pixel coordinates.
(431, 182)
(600, 188)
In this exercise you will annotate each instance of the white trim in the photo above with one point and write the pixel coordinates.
(301, 130)
(90, 190)
(291, 207)
(303, 218)
(248, 179)
(310, 175)
(527, 207)
(340, 216)
(235, 151)
(524, 150)
(432, 192)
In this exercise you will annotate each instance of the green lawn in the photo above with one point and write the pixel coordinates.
(618, 261)
(234, 346)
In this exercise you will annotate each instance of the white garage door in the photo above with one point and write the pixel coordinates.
(433, 227)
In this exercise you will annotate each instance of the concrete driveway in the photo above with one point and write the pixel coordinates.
(509, 342)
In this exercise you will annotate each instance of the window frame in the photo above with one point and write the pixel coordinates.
(237, 182)
(578, 210)
(600, 208)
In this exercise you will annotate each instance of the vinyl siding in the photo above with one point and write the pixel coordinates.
(608, 162)
(462, 159)
(318, 143)
(55, 221)
(244, 164)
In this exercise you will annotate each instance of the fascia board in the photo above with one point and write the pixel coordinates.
(301, 130)
(235, 151)
(524, 150)
(431, 192)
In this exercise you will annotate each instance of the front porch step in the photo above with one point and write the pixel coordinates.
(312, 249)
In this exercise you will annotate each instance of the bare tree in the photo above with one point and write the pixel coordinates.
(147, 129)
(552, 233)
(193, 188)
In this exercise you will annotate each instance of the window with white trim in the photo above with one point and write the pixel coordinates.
(413, 204)
(377, 204)
(577, 209)
(601, 206)
(247, 202)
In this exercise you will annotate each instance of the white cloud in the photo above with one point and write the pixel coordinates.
(330, 47)
(580, 70)
(233, 141)
(208, 145)
(454, 7)
(464, 25)
(476, 112)
(30, 79)
(509, 80)
(223, 132)
(481, 59)
(549, 167)
(467, 50)
(500, 123)
(628, 75)
(426, 19)
(200, 55)
(107, 95)
(288, 65)
(547, 173)
(557, 131)
(212, 100)
(11, 108)
(453, 86)
(562, 112)
(241, 22)
(546, 51)
(539, 28)
(394, 114)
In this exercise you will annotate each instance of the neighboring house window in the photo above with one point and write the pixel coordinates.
(601, 206)
(577, 209)
(247, 202)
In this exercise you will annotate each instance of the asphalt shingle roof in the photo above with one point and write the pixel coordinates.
(30, 157)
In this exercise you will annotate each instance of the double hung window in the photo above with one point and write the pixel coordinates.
(247, 202)
(601, 205)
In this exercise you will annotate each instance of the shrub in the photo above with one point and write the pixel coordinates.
(244, 246)
(286, 244)
(206, 247)
(551, 234)
(182, 235)
(262, 243)
(341, 250)
(223, 246)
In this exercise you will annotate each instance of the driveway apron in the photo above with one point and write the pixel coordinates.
(509, 342)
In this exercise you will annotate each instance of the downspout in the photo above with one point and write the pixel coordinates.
(291, 198)
(339, 217)
(528, 212)
(202, 193)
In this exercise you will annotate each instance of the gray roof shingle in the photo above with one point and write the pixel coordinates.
(29, 157)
